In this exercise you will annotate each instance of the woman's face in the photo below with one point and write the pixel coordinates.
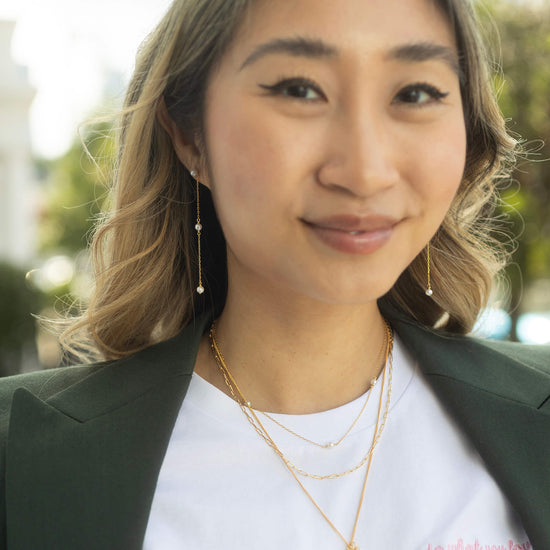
(335, 143)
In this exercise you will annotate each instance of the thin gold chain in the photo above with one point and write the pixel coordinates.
(263, 433)
(198, 228)
(429, 289)
(334, 444)
(240, 399)
(331, 444)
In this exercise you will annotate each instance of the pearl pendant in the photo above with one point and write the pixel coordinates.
(200, 289)
(429, 292)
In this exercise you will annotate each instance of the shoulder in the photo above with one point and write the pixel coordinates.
(105, 385)
(441, 344)
(492, 354)
(537, 357)
(43, 384)
(509, 370)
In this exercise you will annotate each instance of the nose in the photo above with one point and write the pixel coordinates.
(360, 157)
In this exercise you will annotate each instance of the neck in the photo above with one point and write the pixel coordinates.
(295, 355)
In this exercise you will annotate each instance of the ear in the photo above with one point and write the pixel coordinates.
(185, 147)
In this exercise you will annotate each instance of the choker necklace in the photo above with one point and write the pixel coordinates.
(333, 444)
(263, 433)
(253, 419)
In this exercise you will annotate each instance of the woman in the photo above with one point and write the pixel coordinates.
(303, 194)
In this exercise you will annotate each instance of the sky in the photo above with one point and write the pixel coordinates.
(74, 51)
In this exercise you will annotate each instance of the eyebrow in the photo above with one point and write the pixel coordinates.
(415, 52)
(426, 51)
(297, 47)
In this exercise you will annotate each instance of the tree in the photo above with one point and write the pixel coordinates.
(76, 187)
(524, 99)
(75, 191)
(17, 327)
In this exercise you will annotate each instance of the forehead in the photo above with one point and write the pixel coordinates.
(356, 27)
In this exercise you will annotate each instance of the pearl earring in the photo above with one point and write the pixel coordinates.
(429, 291)
(198, 229)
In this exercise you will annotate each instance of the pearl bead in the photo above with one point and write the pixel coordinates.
(200, 289)
(429, 292)
(198, 227)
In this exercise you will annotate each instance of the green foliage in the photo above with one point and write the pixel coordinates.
(18, 300)
(76, 189)
(524, 87)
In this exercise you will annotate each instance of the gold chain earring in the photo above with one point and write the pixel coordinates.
(198, 229)
(429, 291)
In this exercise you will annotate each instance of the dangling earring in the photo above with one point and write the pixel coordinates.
(198, 228)
(429, 291)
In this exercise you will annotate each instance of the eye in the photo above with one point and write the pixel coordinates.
(296, 88)
(420, 94)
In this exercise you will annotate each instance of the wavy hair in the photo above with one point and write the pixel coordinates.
(144, 251)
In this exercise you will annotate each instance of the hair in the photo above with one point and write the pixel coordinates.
(144, 251)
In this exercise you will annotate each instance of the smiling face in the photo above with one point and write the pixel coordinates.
(335, 143)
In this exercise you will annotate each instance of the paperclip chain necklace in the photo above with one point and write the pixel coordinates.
(234, 389)
(333, 444)
(262, 432)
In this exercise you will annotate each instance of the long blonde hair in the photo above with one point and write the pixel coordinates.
(144, 252)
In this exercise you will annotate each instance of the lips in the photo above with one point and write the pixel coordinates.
(353, 234)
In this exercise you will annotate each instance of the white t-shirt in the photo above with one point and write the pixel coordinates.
(222, 488)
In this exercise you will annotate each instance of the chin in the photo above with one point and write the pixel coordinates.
(346, 294)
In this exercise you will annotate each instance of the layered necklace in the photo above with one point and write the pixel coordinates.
(333, 444)
(253, 419)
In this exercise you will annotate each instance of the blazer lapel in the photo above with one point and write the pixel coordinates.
(503, 405)
(81, 472)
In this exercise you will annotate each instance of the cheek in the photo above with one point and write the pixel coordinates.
(443, 155)
(241, 150)
(248, 168)
(257, 158)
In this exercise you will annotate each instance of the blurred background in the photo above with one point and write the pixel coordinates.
(63, 62)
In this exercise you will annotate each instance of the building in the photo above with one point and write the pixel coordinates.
(17, 186)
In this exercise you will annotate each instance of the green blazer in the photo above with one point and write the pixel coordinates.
(81, 447)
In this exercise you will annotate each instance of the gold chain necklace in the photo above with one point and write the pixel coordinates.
(263, 433)
(333, 444)
(230, 382)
